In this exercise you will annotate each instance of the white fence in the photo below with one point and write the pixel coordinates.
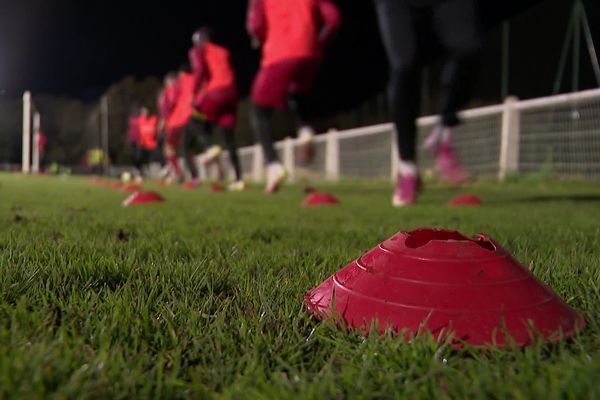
(559, 135)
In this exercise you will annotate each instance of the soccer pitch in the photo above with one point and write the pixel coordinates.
(201, 296)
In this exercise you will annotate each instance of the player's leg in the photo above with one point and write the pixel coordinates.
(137, 161)
(397, 26)
(298, 103)
(225, 123)
(190, 133)
(171, 144)
(457, 27)
(270, 92)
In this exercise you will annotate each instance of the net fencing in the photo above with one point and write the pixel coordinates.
(557, 135)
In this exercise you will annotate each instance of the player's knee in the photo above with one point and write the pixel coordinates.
(401, 68)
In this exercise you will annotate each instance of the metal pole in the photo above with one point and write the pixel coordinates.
(104, 130)
(576, 45)
(505, 58)
(590, 44)
(25, 160)
(563, 57)
(36, 142)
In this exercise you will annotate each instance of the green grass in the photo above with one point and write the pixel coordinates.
(202, 296)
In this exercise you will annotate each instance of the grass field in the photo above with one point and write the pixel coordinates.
(202, 296)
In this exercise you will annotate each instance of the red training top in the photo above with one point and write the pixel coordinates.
(211, 66)
(292, 29)
(41, 142)
(182, 111)
(167, 99)
(148, 132)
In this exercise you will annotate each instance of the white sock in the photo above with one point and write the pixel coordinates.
(407, 168)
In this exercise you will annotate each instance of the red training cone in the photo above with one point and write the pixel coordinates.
(465, 200)
(320, 199)
(217, 188)
(444, 281)
(116, 185)
(143, 198)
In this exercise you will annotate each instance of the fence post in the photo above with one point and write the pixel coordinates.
(36, 142)
(394, 156)
(509, 145)
(104, 132)
(26, 160)
(257, 163)
(288, 157)
(332, 156)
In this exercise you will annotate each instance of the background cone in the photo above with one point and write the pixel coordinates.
(465, 200)
(143, 198)
(320, 199)
(445, 281)
(217, 188)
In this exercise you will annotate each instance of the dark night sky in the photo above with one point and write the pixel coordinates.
(78, 48)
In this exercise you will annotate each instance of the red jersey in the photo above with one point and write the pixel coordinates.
(41, 142)
(167, 99)
(182, 111)
(148, 132)
(211, 66)
(292, 29)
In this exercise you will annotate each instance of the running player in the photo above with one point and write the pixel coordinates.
(404, 25)
(216, 104)
(178, 114)
(41, 144)
(147, 139)
(133, 133)
(293, 35)
(167, 98)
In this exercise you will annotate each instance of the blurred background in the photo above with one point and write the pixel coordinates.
(73, 54)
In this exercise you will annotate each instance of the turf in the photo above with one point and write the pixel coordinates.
(201, 296)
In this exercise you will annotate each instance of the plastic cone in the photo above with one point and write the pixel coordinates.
(465, 200)
(190, 185)
(217, 188)
(443, 281)
(143, 198)
(320, 199)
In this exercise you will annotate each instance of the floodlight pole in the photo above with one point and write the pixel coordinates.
(25, 160)
(36, 142)
(505, 59)
(578, 22)
(576, 45)
(104, 130)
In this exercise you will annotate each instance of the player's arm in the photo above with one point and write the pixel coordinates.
(330, 19)
(256, 22)
(198, 63)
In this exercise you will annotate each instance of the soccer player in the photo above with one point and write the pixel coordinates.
(405, 25)
(133, 133)
(41, 144)
(177, 116)
(166, 101)
(293, 35)
(216, 104)
(147, 139)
